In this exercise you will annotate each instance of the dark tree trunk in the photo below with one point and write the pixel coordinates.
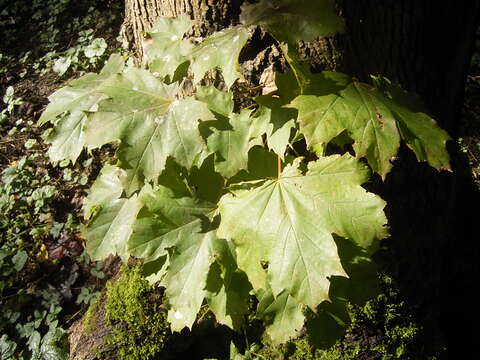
(426, 47)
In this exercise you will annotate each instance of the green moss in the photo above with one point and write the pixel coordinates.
(384, 328)
(134, 313)
(89, 318)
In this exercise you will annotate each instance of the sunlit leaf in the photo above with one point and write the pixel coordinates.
(286, 225)
(79, 96)
(150, 124)
(167, 48)
(108, 232)
(220, 50)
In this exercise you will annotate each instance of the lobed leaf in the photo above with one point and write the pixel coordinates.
(80, 96)
(375, 121)
(293, 20)
(167, 48)
(178, 228)
(108, 232)
(227, 287)
(287, 225)
(282, 315)
(143, 114)
(106, 188)
(220, 50)
(231, 141)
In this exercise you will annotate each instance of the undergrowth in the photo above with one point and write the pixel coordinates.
(46, 279)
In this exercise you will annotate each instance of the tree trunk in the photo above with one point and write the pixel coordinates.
(426, 48)
(209, 16)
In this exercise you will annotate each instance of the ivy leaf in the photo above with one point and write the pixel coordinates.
(287, 224)
(293, 20)
(168, 49)
(220, 50)
(150, 125)
(373, 120)
(232, 140)
(62, 64)
(179, 226)
(50, 348)
(19, 260)
(108, 232)
(282, 315)
(81, 95)
(7, 347)
(96, 48)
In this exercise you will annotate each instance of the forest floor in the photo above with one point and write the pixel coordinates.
(47, 280)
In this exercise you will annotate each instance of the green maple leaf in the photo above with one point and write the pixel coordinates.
(293, 20)
(168, 49)
(287, 224)
(233, 138)
(282, 315)
(220, 50)
(227, 287)
(374, 120)
(80, 96)
(220, 102)
(108, 232)
(178, 228)
(106, 188)
(151, 125)
(186, 277)
(282, 121)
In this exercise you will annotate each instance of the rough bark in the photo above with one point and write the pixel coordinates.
(208, 15)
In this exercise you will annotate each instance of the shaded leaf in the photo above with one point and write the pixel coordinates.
(293, 20)
(282, 315)
(227, 287)
(19, 260)
(373, 120)
(232, 140)
(220, 102)
(177, 228)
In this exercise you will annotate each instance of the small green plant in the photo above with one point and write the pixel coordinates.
(88, 53)
(29, 315)
(88, 295)
(10, 101)
(221, 201)
(36, 335)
